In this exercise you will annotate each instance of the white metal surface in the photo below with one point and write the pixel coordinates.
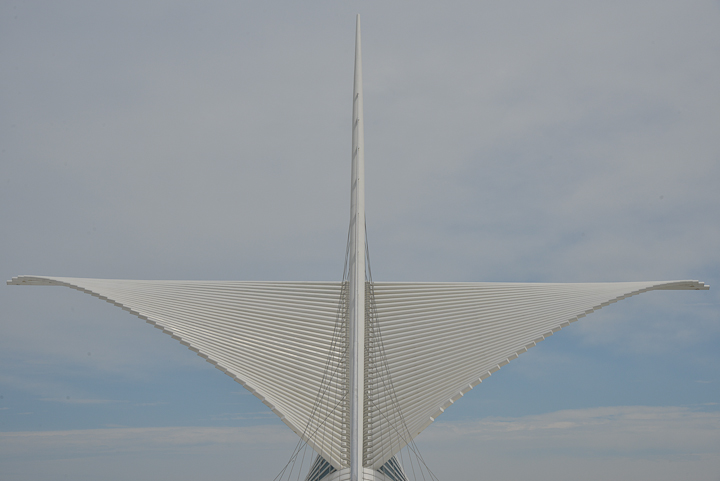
(356, 271)
(438, 341)
(366, 474)
(274, 338)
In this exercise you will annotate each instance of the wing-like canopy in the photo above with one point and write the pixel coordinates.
(427, 344)
(430, 343)
(283, 341)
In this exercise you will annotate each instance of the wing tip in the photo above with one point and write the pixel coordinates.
(31, 281)
(687, 285)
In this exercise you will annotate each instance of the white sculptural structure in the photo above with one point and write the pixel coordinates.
(357, 368)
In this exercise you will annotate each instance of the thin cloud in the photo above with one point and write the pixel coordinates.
(72, 400)
(613, 431)
(89, 442)
(244, 416)
(649, 443)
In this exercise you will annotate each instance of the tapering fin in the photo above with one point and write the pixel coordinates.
(439, 340)
(356, 271)
(278, 339)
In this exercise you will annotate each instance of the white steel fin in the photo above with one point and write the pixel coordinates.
(439, 338)
(274, 338)
(356, 272)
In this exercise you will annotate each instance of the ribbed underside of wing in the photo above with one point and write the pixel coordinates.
(430, 343)
(427, 344)
(283, 341)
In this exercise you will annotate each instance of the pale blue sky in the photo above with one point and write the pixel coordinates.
(513, 141)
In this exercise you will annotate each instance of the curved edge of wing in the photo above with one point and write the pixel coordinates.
(666, 285)
(432, 411)
(73, 284)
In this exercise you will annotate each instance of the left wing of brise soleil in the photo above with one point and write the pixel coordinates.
(283, 341)
(430, 343)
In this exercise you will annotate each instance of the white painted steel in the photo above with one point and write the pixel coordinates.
(356, 271)
(439, 340)
(367, 475)
(432, 342)
(278, 339)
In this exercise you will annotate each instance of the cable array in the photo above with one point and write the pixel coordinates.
(331, 397)
(385, 423)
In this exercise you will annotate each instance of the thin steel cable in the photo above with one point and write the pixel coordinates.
(387, 379)
(389, 390)
(325, 386)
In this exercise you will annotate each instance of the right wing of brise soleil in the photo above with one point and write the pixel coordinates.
(430, 343)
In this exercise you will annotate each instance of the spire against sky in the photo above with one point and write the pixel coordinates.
(633, 244)
(358, 369)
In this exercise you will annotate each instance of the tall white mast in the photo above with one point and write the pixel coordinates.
(356, 271)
